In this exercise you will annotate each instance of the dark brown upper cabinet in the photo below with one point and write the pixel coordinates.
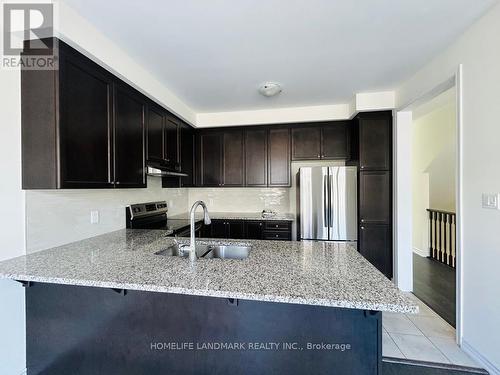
(155, 141)
(279, 157)
(210, 158)
(80, 127)
(375, 141)
(335, 140)
(171, 140)
(233, 166)
(306, 143)
(171, 134)
(187, 155)
(129, 158)
(328, 140)
(85, 126)
(256, 157)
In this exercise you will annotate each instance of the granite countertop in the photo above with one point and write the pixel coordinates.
(311, 273)
(238, 216)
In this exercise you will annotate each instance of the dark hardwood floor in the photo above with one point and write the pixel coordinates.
(434, 284)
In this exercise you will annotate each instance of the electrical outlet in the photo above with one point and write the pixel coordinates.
(490, 200)
(94, 217)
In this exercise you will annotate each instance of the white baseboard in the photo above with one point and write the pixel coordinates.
(422, 253)
(479, 358)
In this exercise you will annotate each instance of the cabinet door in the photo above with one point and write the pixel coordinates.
(375, 244)
(155, 133)
(256, 157)
(375, 142)
(254, 230)
(335, 140)
(219, 228)
(306, 143)
(375, 197)
(210, 159)
(233, 165)
(85, 126)
(187, 155)
(129, 138)
(235, 229)
(171, 139)
(279, 157)
(206, 231)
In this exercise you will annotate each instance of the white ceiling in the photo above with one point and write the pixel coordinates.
(214, 54)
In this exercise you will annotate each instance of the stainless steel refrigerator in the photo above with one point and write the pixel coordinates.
(328, 203)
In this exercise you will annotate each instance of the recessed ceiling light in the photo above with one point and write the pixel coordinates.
(270, 89)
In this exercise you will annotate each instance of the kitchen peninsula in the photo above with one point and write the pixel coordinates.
(109, 303)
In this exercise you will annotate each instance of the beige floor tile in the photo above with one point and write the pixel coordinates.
(399, 323)
(389, 347)
(450, 349)
(418, 348)
(423, 309)
(433, 326)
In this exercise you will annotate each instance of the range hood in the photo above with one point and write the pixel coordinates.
(163, 168)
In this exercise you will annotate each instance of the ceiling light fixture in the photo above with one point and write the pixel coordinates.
(270, 89)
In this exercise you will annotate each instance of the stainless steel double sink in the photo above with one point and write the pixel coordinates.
(208, 251)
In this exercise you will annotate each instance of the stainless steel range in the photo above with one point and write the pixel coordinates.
(153, 215)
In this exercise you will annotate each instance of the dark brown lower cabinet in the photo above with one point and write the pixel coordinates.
(375, 244)
(375, 197)
(235, 229)
(249, 229)
(227, 229)
(254, 230)
(217, 229)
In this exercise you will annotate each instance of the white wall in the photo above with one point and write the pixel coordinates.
(82, 35)
(12, 310)
(54, 218)
(433, 167)
(478, 51)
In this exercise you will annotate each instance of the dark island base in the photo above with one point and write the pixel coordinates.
(91, 331)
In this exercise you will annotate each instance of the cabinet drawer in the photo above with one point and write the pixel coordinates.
(284, 236)
(277, 225)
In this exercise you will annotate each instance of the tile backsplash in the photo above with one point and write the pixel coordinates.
(57, 217)
(242, 199)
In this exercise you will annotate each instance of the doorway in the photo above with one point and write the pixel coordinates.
(433, 159)
(403, 188)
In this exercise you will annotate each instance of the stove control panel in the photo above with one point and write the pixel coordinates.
(148, 209)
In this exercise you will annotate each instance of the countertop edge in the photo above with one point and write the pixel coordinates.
(214, 293)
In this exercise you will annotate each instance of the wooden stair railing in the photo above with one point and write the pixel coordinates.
(442, 236)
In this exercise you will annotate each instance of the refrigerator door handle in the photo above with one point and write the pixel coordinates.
(330, 203)
(325, 206)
